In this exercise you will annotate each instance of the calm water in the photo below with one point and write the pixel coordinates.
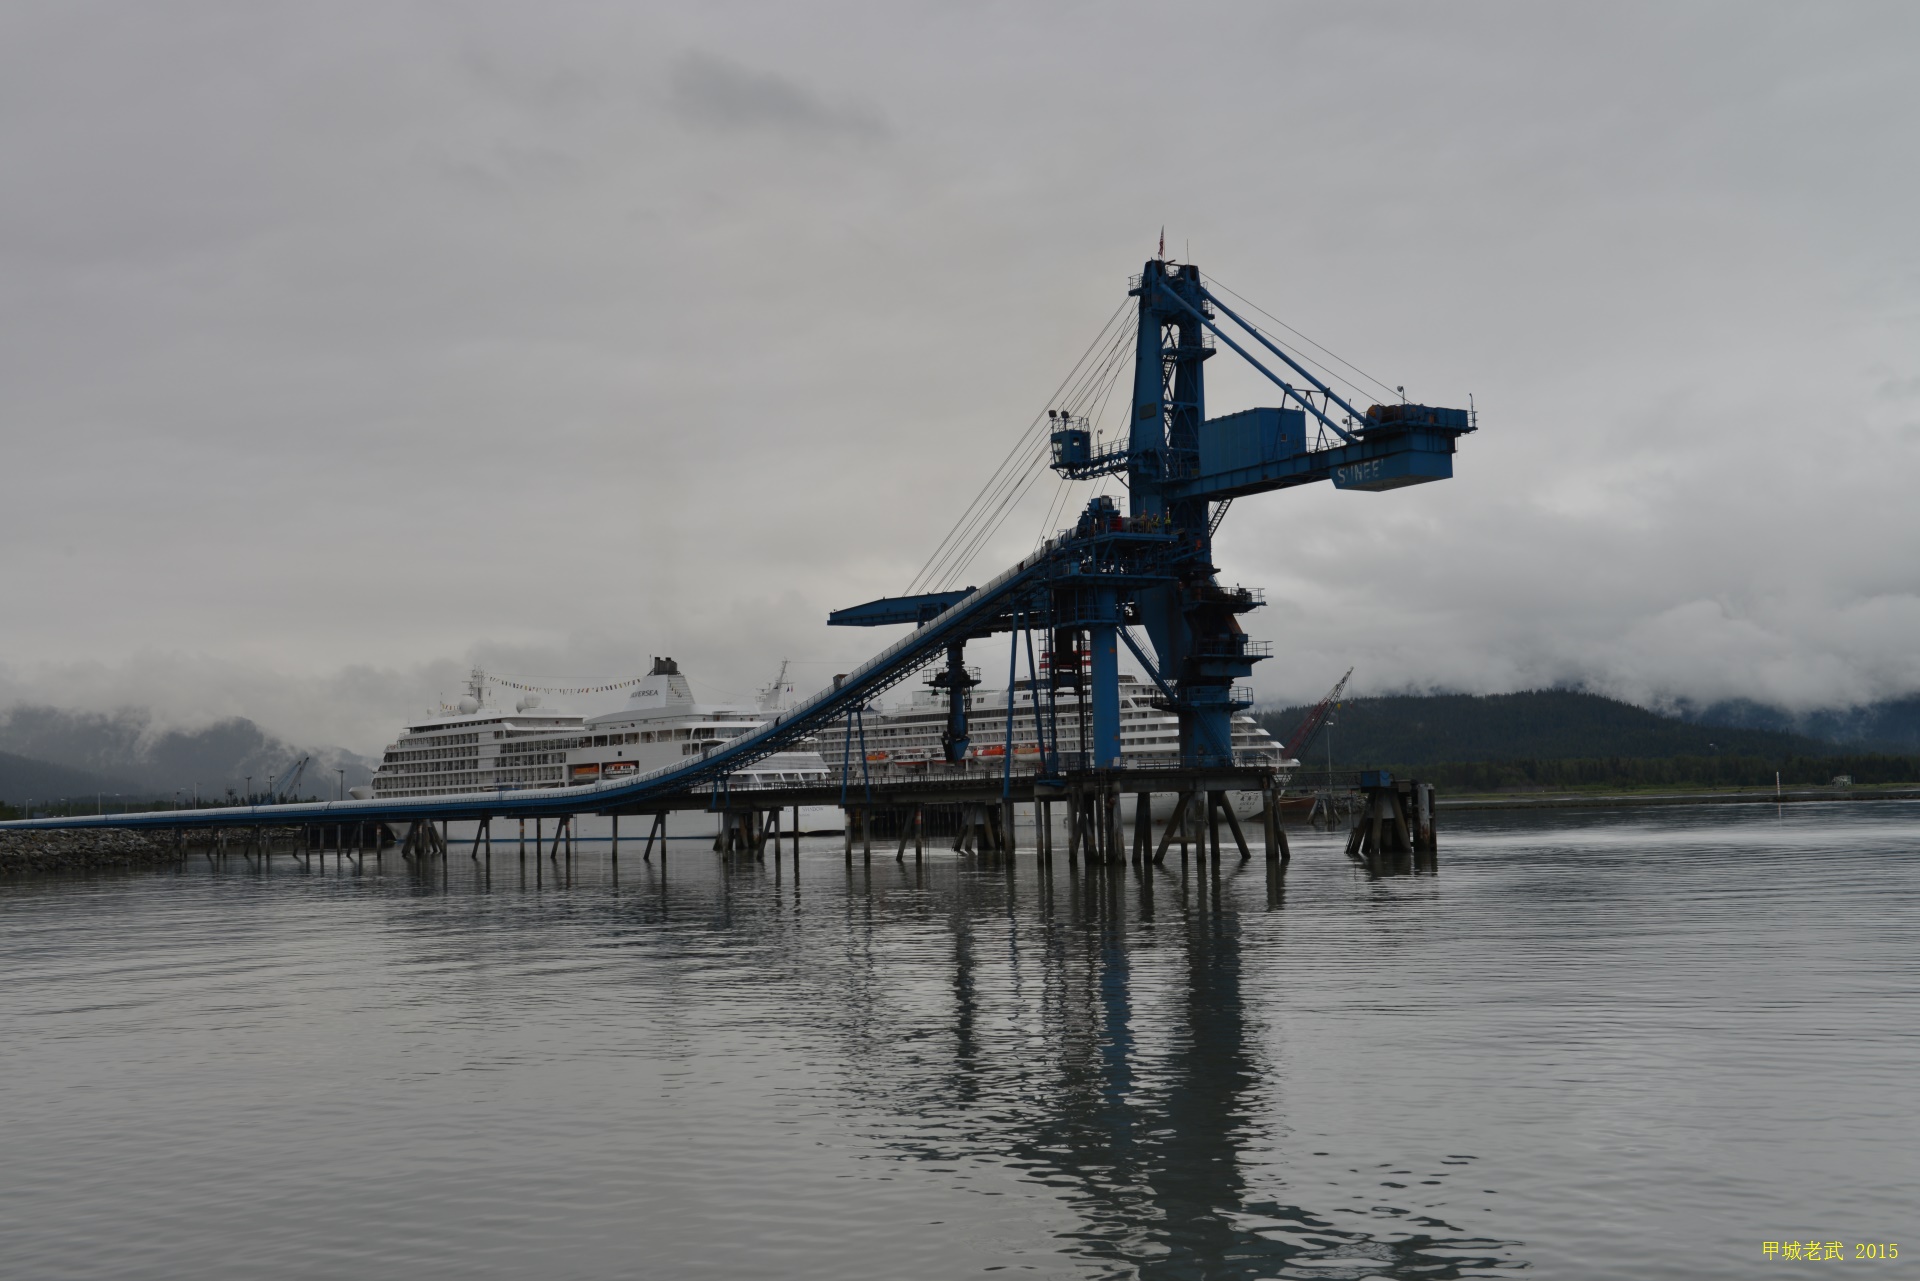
(1635, 1043)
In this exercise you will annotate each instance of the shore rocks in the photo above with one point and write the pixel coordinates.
(57, 851)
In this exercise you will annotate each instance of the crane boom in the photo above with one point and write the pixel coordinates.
(1315, 718)
(283, 786)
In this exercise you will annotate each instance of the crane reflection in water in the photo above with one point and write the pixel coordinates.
(1092, 1029)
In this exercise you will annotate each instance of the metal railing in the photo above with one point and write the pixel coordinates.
(1234, 647)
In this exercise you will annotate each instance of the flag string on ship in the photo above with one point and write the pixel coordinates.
(565, 689)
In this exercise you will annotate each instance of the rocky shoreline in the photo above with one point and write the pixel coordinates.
(72, 851)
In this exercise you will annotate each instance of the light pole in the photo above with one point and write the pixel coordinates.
(341, 771)
(249, 789)
(1331, 718)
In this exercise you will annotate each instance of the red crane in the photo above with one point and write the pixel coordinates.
(1315, 719)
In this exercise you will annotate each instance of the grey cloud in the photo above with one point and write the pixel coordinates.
(712, 91)
(537, 90)
(346, 347)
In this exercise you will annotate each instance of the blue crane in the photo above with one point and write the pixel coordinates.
(1182, 469)
(1149, 566)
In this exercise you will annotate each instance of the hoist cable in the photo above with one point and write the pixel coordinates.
(1213, 283)
(1106, 371)
(967, 517)
(1004, 493)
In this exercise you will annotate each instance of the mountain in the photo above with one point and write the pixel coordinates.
(1414, 730)
(126, 745)
(1889, 726)
(23, 779)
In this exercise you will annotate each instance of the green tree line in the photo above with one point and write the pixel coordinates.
(1567, 774)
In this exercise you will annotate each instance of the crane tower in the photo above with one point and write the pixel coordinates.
(1153, 565)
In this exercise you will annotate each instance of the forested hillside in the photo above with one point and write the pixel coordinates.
(1892, 725)
(1541, 724)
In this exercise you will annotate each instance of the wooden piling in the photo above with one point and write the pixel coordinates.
(1233, 825)
(1276, 839)
(1176, 824)
(1187, 821)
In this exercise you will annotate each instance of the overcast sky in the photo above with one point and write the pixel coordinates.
(344, 346)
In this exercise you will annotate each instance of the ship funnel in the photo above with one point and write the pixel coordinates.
(663, 687)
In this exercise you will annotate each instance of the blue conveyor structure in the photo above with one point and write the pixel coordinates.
(1122, 559)
(1150, 566)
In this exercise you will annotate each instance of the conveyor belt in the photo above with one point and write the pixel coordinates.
(881, 672)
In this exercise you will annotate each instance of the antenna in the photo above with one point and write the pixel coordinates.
(1163, 243)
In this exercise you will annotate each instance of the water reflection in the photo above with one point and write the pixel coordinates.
(1096, 1033)
(504, 1068)
(1147, 1126)
(1087, 1027)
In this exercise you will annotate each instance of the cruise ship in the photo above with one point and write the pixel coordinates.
(476, 746)
(907, 742)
